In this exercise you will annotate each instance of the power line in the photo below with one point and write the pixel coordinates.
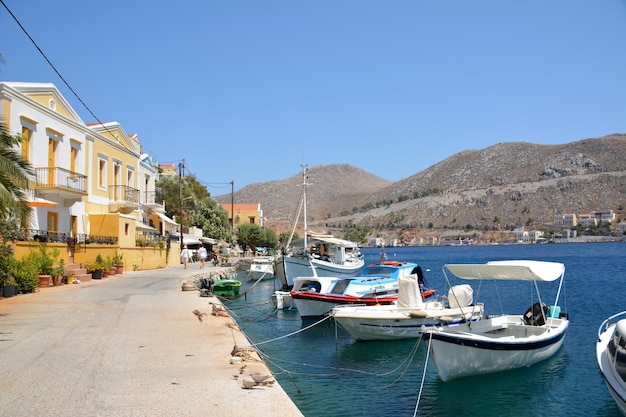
(52, 66)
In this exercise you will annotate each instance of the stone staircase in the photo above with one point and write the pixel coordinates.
(79, 272)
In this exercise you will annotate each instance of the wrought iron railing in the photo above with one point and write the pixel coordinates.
(123, 193)
(62, 237)
(55, 177)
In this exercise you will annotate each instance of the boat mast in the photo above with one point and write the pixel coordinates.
(304, 184)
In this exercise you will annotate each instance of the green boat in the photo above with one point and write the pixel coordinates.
(226, 287)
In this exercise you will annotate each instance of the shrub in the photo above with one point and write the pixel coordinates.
(25, 275)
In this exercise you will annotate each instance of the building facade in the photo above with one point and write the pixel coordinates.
(92, 183)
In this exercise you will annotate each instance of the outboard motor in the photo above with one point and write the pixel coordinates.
(536, 314)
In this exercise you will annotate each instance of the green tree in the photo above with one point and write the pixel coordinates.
(14, 175)
(249, 236)
(213, 220)
(194, 197)
(270, 239)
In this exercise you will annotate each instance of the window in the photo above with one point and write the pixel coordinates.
(26, 136)
(251, 219)
(130, 178)
(102, 169)
(73, 156)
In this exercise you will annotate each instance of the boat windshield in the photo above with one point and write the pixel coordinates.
(340, 286)
(379, 270)
(617, 349)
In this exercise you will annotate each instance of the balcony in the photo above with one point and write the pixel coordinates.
(123, 198)
(153, 199)
(66, 183)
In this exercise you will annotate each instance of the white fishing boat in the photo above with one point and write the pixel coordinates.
(314, 297)
(504, 342)
(316, 254)
(261, 268)
(410, 316)
(611, 357)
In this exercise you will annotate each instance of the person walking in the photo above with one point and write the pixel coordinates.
(184, 256)
(202, 253)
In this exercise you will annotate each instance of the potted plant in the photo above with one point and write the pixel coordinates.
(9, 287)
(118, 262)
(96, 268)
(45, 262)
(56, 273)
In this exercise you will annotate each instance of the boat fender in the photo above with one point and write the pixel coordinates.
(536, 314)
(418, 313)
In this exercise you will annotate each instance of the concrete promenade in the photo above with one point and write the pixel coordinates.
(128, 345)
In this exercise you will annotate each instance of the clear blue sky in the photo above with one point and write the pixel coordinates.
(249, 90)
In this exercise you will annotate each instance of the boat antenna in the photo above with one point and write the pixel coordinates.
(383, 255)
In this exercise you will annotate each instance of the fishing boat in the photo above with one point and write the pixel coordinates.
(410, 316)
(611, 357)
(226, 287)
(316, 254)
(503, 342)
(315, 297)
(261, 268)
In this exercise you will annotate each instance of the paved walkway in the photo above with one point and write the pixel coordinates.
(129, 345)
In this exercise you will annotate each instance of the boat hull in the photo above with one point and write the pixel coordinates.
(316, 306)
(289, 267)
(391, 323)
(282, 300)
(226, 287)
(615, 384)
(261, 271)
(484, 353)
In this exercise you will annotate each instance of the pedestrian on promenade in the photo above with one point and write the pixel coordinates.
(202, 253)
(184, 256)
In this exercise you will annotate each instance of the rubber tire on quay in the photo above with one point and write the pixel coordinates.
(188, 286)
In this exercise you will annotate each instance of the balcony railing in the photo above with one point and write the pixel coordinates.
(123, 193)
(152, 198)
(61, 237)
(55, 177)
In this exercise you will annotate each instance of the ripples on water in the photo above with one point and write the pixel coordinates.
(332, 375)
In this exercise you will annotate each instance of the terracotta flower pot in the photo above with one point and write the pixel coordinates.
(44, 281)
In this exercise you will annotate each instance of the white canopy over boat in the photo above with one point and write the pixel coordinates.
(518, 270)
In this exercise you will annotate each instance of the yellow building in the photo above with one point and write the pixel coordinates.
(244, 213)
(92, 184)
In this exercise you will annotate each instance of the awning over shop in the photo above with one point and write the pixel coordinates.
(188, 239)
(145, 228)
(208, 240)
(164, 218)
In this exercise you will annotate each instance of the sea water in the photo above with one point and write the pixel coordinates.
(327, 373)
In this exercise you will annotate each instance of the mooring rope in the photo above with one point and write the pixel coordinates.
(405, 363)
(419, 395)
(293, 333)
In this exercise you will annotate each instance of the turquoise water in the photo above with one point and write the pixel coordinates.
(327, 373)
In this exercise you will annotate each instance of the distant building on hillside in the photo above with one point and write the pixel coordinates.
(168, 170)
(244, 213)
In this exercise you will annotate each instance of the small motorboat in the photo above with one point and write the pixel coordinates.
(261, 268)
(226, 287)
(410, 316)
(507, 341)
(611, 357)
(315, 296)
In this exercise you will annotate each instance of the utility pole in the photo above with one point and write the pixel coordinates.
(181, 166)
(232, 206)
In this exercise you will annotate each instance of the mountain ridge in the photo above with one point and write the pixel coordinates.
(504, 185)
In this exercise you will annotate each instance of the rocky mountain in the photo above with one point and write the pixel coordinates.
(332, 188)
(502, 186)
